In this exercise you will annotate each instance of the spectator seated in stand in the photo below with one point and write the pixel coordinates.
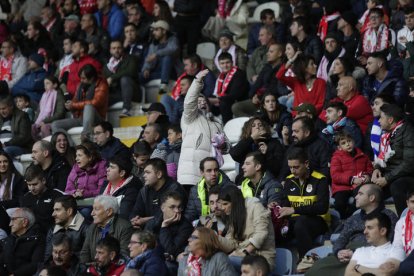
(31, 83)
(121, 73)
(14, 128)
(337, 121)
(350, 168)
(51, 108)
(22, 102)
(108, 145)
(40, 198)
(13, 186)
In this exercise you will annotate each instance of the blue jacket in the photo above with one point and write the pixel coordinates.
(393, 85)
(113, 147)
(149, 263)
(116, 22)
(31, 84)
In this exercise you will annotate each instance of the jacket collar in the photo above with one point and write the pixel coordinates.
(75, 225)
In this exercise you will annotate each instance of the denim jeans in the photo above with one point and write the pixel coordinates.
(169, 103)
(162, 70)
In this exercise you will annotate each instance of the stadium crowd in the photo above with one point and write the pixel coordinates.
(325, 93)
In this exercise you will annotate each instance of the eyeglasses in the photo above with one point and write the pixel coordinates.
(60, 253)
(14, 218)
(135, 242)
(193, 237)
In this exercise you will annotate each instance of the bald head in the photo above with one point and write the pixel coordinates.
(347, 88)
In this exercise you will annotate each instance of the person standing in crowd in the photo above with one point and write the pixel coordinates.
(199, 128)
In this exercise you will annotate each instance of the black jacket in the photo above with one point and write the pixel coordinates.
(42, 207)
(267, 80)
(319, 154)
(174, 238)
(315, 186)
(401, 163)
(148, 201)
(57, 173)
(393, 85)
(285, 119)
(128, 193)
(312, 45)
(193, 210)
(274, 155)
(21, 255)
(19, 188)
(114, 147)
(187, 6)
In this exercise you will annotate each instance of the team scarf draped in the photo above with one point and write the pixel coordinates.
(110, 191)
(231, 51)
(194, 265)
(223, 82)
(408, 232)
(176, 91)
(375, 41)
(338, 125)
(385, 151)
(224, 7)
(113, 64)
(6, 67)
(323, 24)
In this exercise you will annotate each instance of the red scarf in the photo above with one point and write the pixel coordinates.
(374, 41)
(194, 265)
(176, 91)
(323, 24)
(385, 141)
(224, 8)
(109, 191)
(5, 68)
(223, 82)
(408, 232)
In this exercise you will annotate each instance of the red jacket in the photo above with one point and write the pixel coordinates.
(113, 270)
(344, 167)
(316, 96)
(73, 78)
(359, 110)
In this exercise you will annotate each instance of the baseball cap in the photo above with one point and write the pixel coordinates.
(73, 17)
(306, 107)
(161, 24)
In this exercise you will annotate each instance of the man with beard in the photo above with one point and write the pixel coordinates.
(107, 258)
(55, 167)
(89, 105)
(68, 221)
(121, 73)
(304, 136)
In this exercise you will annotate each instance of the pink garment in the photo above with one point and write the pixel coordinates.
(89, 180)
(172, 170)
(47, 105)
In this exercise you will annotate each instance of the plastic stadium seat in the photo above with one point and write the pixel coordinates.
(233, 128)
(256, 14)
(229, 163)
(283, 262)
(19, 167)
(321, 251)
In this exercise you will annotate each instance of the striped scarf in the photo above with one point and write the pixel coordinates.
(375, 137)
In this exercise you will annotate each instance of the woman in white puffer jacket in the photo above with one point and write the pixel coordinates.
(199, 126)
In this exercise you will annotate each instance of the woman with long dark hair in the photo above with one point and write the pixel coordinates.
(306, 86)
(60, 143)
(275, 114)
(341, 66)
(257, 135)
(12, 185)
(249, 229)
(162, 12)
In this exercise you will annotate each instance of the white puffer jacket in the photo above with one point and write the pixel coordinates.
(197, 133)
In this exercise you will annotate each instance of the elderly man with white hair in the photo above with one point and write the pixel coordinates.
(105, 222)
(23, 249)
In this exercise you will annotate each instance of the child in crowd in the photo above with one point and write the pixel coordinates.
(350, 168)
(142, 153)
(51, 108)
(23, 103)
(169, 150)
